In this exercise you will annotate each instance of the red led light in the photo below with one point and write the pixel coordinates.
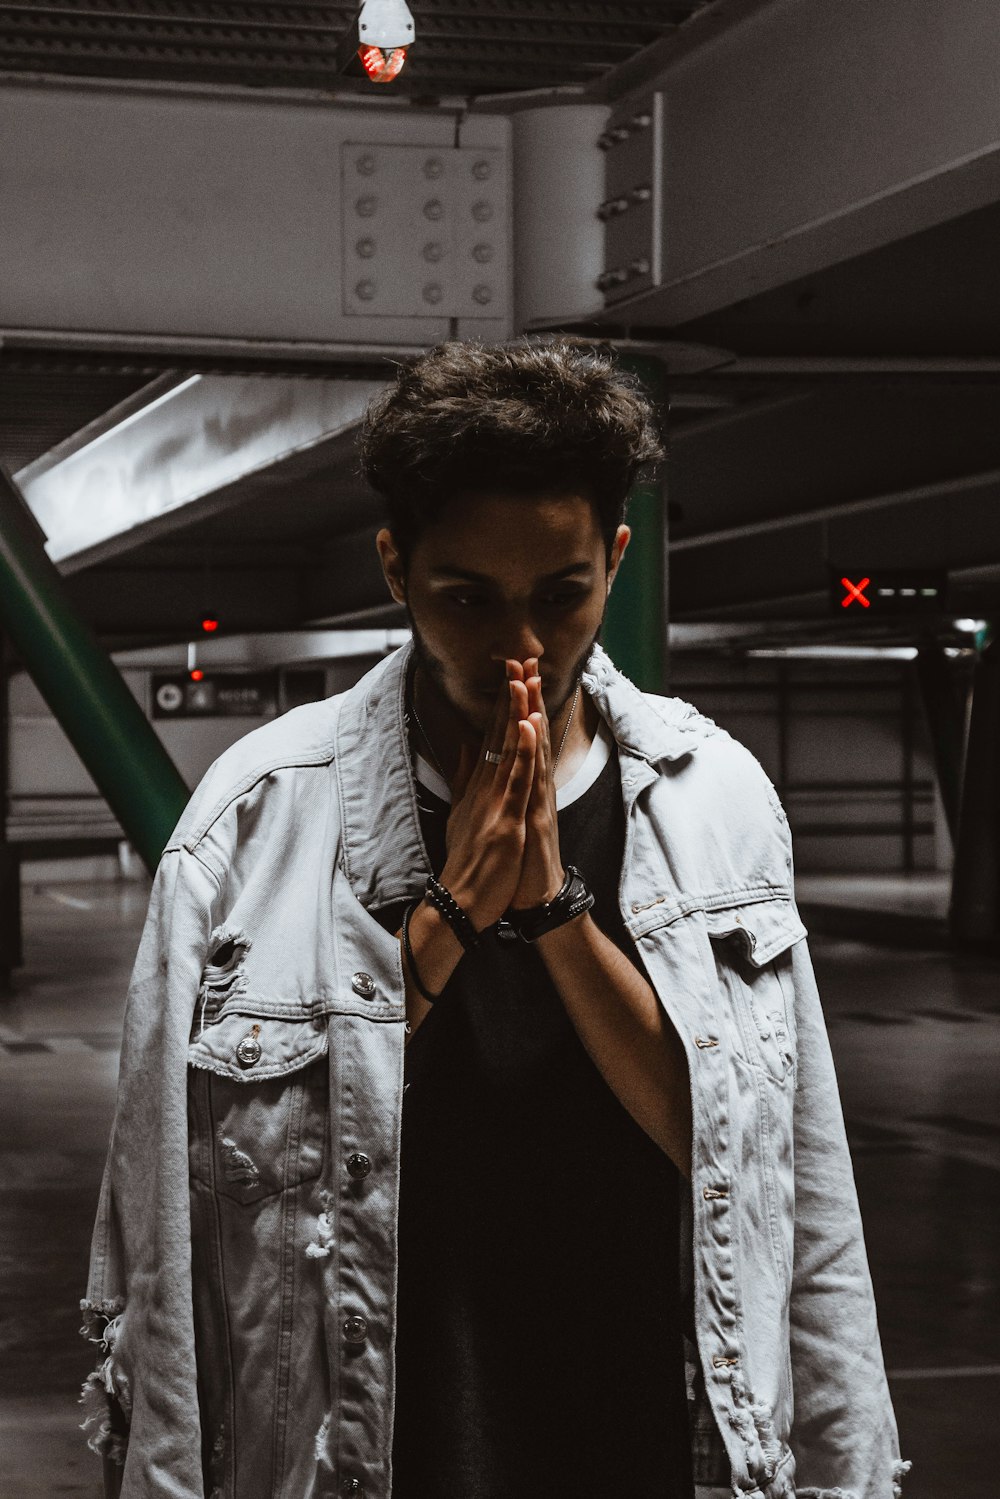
(380, 66)
(208, 625)
(855, 591)
(197, 674)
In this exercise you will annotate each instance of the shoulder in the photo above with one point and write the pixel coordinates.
(301, 740)
(721, 760)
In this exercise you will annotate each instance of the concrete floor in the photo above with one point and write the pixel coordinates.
(916, 1038)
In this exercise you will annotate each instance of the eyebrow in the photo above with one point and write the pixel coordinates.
(467, 575)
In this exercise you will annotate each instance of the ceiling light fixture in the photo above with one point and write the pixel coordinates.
(379, 38)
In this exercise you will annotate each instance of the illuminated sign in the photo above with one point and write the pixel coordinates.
(215, 694)
(873, 593)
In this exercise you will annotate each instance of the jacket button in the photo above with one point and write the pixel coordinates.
(248, 1052)
(355, 1329)
(358, 1165)
(363, 984)
(352, 1486)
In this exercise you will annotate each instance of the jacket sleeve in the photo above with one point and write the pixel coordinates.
(844, 1430)
(142, 1397)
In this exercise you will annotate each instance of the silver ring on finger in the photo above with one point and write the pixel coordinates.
(493, 757)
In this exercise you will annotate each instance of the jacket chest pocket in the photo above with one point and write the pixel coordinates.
(258, 1105)
(751, 943)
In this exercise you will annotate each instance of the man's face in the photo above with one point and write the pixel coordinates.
(501, 576)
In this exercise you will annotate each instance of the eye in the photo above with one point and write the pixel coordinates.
(552, 600)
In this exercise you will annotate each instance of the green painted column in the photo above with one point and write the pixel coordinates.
(635, 625)
(83, 687)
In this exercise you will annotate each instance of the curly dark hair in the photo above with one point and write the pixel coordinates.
(526, 417)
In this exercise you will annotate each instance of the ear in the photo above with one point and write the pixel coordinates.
(622, 538)
(391, 565)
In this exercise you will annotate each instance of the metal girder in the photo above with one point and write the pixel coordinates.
(254, 244)
(145, 471)
(945, 489)
(101, 718)
(788, 149)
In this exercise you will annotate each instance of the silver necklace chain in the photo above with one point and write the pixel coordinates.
(413, 705)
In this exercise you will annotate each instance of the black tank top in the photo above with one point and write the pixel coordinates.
(539, 1343)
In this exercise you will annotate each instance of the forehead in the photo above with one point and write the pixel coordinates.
(495, 534)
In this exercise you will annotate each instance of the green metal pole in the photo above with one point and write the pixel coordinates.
(83, 687)
(635, 624)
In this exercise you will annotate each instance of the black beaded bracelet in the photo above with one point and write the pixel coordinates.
(409, 951)
(452, 913)
(572, 899)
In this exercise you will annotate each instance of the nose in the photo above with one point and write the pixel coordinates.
(520, 647)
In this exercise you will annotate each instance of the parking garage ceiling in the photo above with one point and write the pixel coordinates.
(470, 47)
(789, 425)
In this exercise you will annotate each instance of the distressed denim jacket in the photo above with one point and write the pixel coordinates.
(243, 1264)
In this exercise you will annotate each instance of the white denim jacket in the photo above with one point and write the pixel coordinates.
(243, 1265)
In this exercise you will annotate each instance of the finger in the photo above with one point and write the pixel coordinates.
(522, 773)
(537, 706)
(496, 736)
(515, 691)
(541, 771)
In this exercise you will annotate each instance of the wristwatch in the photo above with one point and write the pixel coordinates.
(571, 901)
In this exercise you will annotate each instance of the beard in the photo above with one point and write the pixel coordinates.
(434, 672)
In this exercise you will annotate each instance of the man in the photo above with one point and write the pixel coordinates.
(477, 1131)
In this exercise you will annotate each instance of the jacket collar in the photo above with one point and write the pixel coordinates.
(650, 727)
(384, 856)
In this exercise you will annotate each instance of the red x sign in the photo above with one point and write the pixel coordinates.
(854, 591)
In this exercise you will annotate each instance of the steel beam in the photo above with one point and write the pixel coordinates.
(76, 677)
(137, 474)
(944, 490)
(257, 241)
(809, 133)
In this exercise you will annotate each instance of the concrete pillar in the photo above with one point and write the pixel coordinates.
(974, 913)
(944, 714)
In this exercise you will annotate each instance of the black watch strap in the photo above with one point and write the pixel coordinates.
(571, 901)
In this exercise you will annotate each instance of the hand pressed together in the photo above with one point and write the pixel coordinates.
(542, 872)
(502, 836)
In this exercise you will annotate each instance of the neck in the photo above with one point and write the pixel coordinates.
(444, 731)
